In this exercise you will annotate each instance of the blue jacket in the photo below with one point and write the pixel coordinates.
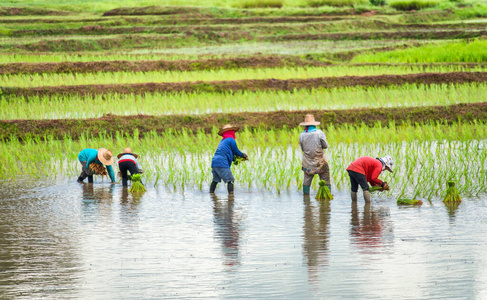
(91, 155)
(223, 156)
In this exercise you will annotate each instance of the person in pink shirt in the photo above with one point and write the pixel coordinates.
(367, 169)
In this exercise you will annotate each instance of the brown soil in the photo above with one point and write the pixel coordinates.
(430, 35)
(252, 62)
(15, 11)
(158, 65)
(261, 29)
(269, 120)
(252, 85)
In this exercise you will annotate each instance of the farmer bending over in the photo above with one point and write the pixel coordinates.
(101, 156)
(127, 161)
(367, 169)
(312, 142)
(223, 157)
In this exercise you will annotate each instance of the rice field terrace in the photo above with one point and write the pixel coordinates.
(405, 78)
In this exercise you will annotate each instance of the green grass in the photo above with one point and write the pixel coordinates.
(35, 80)
(202, 103)
(474, 51)
(405, 5)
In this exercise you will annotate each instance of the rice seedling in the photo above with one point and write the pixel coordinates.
(137, 186)
(323, 192)
(426, 157)
(404, 201)
(452, 194)
(34, 80)
(98, 169)
(260, 4)
(237, 160)
(464, 51)
(58, 107)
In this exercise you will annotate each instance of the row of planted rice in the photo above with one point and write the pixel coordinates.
(313, 46)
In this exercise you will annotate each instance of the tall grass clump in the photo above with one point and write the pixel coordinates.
(407, 5)
(260, 4)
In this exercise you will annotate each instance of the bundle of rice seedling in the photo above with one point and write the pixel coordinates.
(238, 159)
(375, 188)
(137, 186)
(324, 192)
(404, 201)
(98, 169)
(452, 194)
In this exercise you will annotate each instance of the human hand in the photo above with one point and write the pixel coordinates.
(245, 156)
(385, 187)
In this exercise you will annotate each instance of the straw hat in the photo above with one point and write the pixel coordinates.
(227, 127)
(105, 156)
(388, 162)
(309, 120)
(127, 150)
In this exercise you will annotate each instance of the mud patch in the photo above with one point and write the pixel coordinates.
(253, 62)
(111, 124)
(24, 11)
(251, 85)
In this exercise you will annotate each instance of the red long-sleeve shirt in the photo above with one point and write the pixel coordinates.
(370, 167)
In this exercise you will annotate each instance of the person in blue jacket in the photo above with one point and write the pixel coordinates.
(101, 156)
(223, 157)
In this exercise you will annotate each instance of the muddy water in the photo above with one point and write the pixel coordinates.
(66, 240)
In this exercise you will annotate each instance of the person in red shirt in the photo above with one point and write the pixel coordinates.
(367, 169)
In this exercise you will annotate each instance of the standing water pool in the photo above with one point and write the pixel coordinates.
(62, 239)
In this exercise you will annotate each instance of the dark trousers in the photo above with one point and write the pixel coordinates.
(356, 179)
(125, 167)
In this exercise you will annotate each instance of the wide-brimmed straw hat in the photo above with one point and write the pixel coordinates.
(127, 150)
(228, 127)
(105, 156)
(388, 162)
(309, 120)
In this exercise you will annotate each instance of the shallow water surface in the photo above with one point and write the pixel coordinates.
(67, 240)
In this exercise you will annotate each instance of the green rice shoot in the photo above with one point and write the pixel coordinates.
(324, 192)
(137, 186)
(452, 194)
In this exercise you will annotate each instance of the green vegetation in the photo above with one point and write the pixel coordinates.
(323, 192)
(57, 107)
(406, 5)
(465, 51)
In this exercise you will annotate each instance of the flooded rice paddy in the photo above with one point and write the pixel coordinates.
(61, 239)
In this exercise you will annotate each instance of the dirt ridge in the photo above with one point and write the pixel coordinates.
(110, 124)
(251, 85)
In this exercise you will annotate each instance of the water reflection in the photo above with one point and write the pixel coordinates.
(370, 230)
(97, 199)
(36, 257)
(452, 209)
(316, 236)
(227, 230)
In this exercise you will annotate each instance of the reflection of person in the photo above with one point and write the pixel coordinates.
(227, 229)
(127, 162)
(367, 231)
(367, 169)
(312, 142)
(316, 236)
(101, 156)
(223, 157)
